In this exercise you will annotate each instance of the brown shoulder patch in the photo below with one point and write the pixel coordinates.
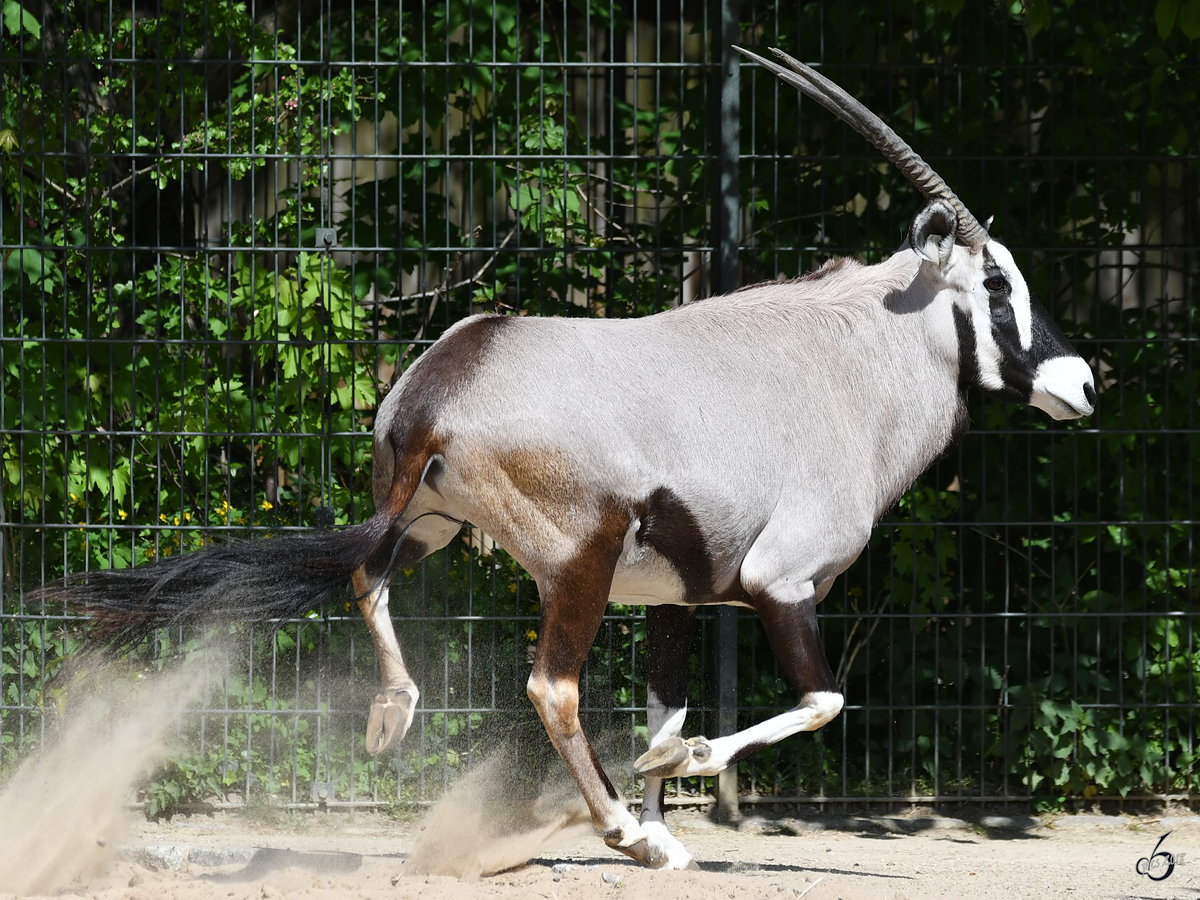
(439, 373)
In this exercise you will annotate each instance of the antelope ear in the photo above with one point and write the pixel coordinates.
(933, 231)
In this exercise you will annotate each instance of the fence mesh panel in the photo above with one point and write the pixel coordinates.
(226, 230)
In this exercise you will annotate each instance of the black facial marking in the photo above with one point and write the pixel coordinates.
(1016, 372)
(999, 289)
(1016, 367)
(968, 363)
(1048, 341)
(1017, 382)
(1003, 318)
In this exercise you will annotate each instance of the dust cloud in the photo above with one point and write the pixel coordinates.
(65, 810)
(496, 817)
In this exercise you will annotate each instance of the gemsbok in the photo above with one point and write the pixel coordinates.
(734, 450)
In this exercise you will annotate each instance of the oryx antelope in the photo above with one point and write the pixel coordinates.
(736, 450)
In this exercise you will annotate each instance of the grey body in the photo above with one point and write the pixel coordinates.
(772, 411)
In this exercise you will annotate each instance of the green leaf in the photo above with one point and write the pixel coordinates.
(36, 267)
(99, 478)
(1189, 19)
(1089, 741)
(18, 19)
(1038, 15)
(120, 480)
(1165, 14)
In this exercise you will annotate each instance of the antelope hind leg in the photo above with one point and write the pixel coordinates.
(392, 710)
(389, 718)
(572, 607)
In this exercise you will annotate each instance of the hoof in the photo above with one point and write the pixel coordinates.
(649, 843)
(636, 844)
(673, 854)
(673, 757)
(387, 722)
(648, 855)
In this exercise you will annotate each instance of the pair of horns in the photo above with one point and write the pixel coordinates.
(891, 145)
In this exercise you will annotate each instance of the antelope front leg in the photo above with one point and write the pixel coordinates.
(392, 710)
(790, 618)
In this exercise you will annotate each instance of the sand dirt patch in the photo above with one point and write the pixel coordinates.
(367, 856)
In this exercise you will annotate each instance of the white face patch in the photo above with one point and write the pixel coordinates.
(987, 357)
(1019, 299)
(1062, 386)
(1011, 346)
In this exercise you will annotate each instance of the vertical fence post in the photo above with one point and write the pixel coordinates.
(725, 125)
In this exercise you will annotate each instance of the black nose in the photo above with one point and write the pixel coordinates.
(1090, 393)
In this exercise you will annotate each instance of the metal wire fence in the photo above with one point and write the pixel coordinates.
(226, 229)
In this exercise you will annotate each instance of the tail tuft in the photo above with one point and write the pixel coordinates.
(280, 577)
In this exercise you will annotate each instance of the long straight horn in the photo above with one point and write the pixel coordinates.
(886, 141)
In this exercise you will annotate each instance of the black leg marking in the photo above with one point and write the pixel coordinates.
(668, 644)
(795, 639)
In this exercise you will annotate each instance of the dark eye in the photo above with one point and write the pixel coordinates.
(997, 284)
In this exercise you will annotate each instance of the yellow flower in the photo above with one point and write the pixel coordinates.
(124, 515)
(531, 635)
(266, 504)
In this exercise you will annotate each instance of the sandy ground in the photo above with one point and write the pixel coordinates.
(66, 831)
(921, 855)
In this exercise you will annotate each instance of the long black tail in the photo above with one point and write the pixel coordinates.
(275, 578)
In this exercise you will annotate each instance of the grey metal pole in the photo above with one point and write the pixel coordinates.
(725, 134)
